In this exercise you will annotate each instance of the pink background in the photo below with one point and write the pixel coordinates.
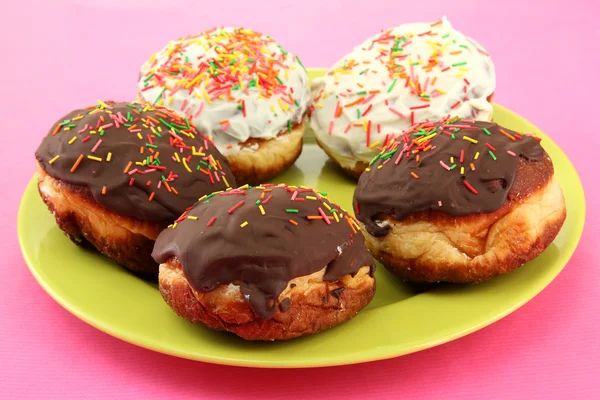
(63, 56)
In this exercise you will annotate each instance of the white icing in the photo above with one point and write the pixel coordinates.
(349, 77)
(268, 113)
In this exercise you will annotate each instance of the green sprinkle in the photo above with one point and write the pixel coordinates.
(300, 62)
(149, 77)
(463, 46)
(166, 123)
(375, 159)
(152, 145)
(358, 113)
(279, 79)
(130, 105)
(239, 107)
(456, 130)
(210, 195)
(160, 95)
(459, 64)
(236, 86)
(289, 125)
(291, 210)
(257, 202)
(388, 155)
(65, 122)
(487, 132)
(206, 202)
(392, 85)
(363, 71)
(129, 117)
(453, 137)
(445, 36)
(296, 103)
(362, 92)
(102, 133)
(493, 155)
(452, 167)
(323, 193)
(282, 50)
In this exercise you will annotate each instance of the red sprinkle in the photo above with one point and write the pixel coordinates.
(211, 221)
(232, 209)
(471, 188)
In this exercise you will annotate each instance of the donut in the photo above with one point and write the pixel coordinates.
(414, 72)
(116, 174)
(266, 263)
(240, 88)
(459, 201)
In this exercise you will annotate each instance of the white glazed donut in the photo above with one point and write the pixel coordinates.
(411, 73)
(239, 87)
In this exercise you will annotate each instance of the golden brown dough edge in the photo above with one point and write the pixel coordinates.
(314, 305)
(270, 157)
(473, 248)
(126, 240)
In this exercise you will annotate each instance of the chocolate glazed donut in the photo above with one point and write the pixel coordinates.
(459, 201)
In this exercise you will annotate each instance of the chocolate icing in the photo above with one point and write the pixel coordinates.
(127, 127)
(390, 188)
(263, 252)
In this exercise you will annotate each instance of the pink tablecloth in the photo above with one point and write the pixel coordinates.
(61, 56)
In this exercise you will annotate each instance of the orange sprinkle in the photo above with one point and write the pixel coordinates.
(508, 135)
(418, 157)
(103, 189)
(141, 149)
(433, 81)
(472, 166)
(355, 102)
(56, 130)
(414, 175)
(74, 167)
(167, 186)
(314, 217)
(127, 167)
(174, 191)
(151, 196)
(293, 222)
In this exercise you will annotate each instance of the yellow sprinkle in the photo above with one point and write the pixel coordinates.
(377, 143)
(440, 91)
(226, 183)
(66, 128)
(146, 108)
(208, 100)
(139, 135)
(153, 130)
(470, 139)
(94, 158)
(381, 166)
(311, 197)
(77, 118)
(260, 187)
(177, 157)
(262, 210)
(365, 124)
(283, 106)
(476, 156)
(93, 132)
(108, 156)
(336, 217)
(186, 166)
(53, 159)
(327, 206)
(319, 105)
(174, 225)
(192, 217)
(452, 160)
(367, 169)
(462, 170)
(73, 139)
(102, 104)
(243, 224)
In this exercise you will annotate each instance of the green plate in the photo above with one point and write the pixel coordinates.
(401, 319)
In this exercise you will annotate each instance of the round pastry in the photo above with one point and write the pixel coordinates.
(241, 89)
(266, 263)
(459, 201)
(414, 72)
(117, 174)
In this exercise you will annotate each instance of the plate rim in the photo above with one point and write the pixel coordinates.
(378, 353)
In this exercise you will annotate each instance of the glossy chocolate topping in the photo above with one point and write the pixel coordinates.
(458, 167)
(137, 160)
(262, 238)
